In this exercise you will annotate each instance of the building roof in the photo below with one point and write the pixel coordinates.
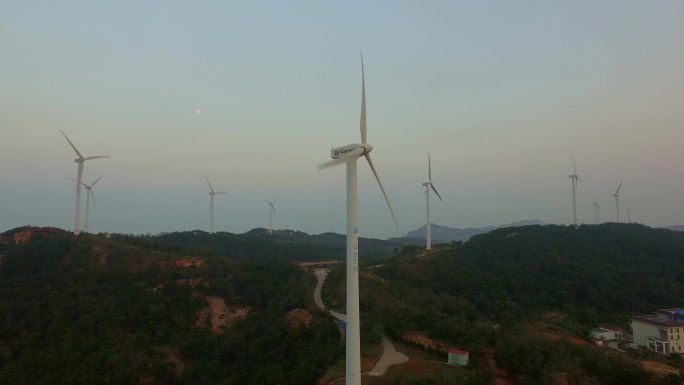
(458, 352)
(609, 327)
(658, 320)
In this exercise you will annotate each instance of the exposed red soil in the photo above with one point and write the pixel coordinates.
(414, 368)
(190, 262)
(299, 317)
(419, 338)
(219, 315)
(658, 368)
(23, 236)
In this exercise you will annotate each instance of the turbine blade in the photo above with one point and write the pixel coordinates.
(72, 145)
(96, 157)
(210, 188)
(273, 208)
(435, 190)
(331, 163)
(429, 170)
(377, 177)
(92, 196)
(616, 191)
(363, 103)
(573, 163)
(578, 178)
(220, 192)
(97, 180)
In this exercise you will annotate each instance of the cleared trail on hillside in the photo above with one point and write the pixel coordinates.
(390, 355)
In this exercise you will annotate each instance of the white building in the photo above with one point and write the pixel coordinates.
(661, 332)
(607, 332)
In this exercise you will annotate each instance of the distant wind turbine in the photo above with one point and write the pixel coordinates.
(271, 213)
(90, 195)
(349, 154)
(617, 202)
(211, 205)
(80, 161)
(428, 185)
(574, 178)
(597, 215)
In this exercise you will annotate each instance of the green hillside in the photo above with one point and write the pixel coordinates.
(522, 300)
(257, 243)
(180, 308)
(99, 311)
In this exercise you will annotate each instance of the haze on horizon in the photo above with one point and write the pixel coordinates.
(253, 95)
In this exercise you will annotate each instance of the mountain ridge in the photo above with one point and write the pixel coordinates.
(445, 234)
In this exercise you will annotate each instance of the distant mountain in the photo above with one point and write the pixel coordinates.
(675, 227)
(282, 244)
(442, 234)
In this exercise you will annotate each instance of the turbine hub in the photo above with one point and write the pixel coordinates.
(350, 150)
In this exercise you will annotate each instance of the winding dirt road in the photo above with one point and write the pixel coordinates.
(390, 355)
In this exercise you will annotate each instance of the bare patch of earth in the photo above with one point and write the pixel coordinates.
(219, 315)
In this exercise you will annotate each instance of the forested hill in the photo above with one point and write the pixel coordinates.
(93, 310)
(283, 244)
(588, 271)
(523, 300)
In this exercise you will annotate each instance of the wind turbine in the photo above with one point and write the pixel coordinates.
(597, 214)
(80, 161)
(271, 213)
(211, 205)
(617, 202)
(574, 178)
(428, 185)
(90, 195)
(349, 154)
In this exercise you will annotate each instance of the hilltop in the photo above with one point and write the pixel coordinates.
(258, 243)
(445, 234)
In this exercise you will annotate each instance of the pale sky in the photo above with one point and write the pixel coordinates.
(500, 93)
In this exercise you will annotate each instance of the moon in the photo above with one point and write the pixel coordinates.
(198, 111)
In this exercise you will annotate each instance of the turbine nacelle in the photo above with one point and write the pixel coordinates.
(350, 150)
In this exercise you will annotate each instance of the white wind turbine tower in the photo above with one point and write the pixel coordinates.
(271, 213)
(428, 185)
(349, 154)
(617, 202)
(80, 161)
(597, 215)
(211, 205)
(90, 195)
(574, 178)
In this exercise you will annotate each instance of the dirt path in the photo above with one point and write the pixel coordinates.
(320, 276)
(390, 355)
